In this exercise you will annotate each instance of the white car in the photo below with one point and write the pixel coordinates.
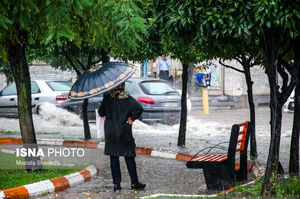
(42, 91)
(289, 106)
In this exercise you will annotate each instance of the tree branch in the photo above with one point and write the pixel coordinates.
(89, 61)
(250, 58)
(239, 59)
(284, 75)
(256, 61)
(81, 64)
(77, 71)
(95, 62)
(293, 72)
(287, 67)
(289, 48)
(227, 66)
(73, 65)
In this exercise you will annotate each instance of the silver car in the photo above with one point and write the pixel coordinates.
(42, 91)
(289, 106)
(161, 102)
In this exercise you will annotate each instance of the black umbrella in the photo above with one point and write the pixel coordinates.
(100, 79)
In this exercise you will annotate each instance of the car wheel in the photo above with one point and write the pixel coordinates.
(71, 110)
(291, 106)
(38, 110)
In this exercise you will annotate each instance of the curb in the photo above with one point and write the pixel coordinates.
(49, 186)
(94, 145)
(253, 167)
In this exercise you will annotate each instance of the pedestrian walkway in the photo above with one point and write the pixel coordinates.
(220, 102)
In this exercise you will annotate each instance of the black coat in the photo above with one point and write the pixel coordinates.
(118, 133)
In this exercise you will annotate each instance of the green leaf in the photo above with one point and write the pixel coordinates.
(49, 37)
(260, 9)
(4, 21)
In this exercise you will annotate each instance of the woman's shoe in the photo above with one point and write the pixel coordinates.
(117, 188)
(138, 186)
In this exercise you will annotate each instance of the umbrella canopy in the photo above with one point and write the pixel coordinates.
(100, 79)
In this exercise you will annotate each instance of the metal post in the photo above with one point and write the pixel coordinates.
(205, 100)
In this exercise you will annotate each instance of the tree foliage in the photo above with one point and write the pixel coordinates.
(266, 30)
(108, 28)
(25, 27)
(177, 27)
(272, 27)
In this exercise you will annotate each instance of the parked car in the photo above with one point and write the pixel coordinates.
(289, 106)
(188, 102)
(42, 91)
(161, 102)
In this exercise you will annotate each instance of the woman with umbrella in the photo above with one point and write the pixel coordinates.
(120, 110)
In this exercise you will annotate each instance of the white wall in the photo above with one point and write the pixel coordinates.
(43, 71)
(2, 81)
(235, 83)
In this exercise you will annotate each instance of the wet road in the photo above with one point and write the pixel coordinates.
(161, 175)
(207, 130)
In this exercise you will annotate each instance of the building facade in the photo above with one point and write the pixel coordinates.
(42, 71)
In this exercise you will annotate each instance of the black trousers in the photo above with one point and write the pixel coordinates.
(116, 171)
(164, 74)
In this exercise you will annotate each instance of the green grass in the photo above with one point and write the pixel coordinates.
(47, 133)
(285, 189)
(10, 178)
(2, 132)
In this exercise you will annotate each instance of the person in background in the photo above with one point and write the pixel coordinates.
(154, 68)
(121, 110)
(163, 68)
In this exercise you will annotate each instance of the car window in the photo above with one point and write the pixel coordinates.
(128, 87)
(9, 90)
(12, 90)
(34, 88)
(60, 85)
(157, 88)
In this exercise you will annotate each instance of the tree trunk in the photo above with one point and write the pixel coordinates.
(271, 50)
(249, 82)
(85, 119)
(294, 151)
(183, 117)
(86, 126)
(104, 55)
(20, 70)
